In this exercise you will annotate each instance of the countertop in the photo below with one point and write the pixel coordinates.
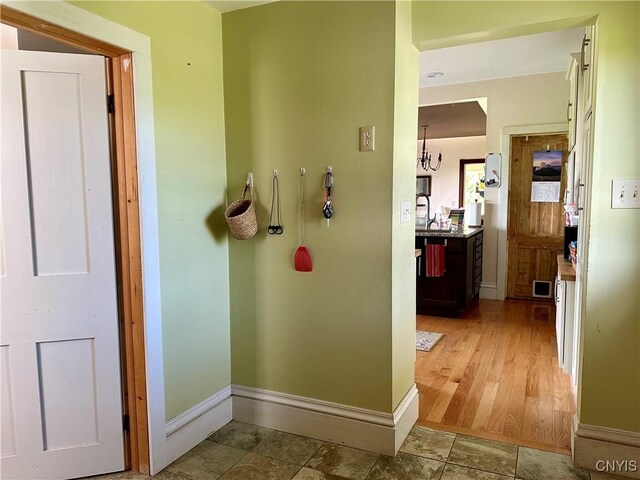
(466, 233)
(566, 270)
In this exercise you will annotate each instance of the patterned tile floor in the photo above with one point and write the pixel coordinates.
(239, 451)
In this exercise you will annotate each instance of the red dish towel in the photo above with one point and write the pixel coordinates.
(436, 257)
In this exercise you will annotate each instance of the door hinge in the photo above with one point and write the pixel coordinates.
(111, 104)
(125, 423)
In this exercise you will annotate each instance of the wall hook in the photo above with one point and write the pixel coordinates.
(250, 179)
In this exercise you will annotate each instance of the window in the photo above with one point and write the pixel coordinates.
(471, 186)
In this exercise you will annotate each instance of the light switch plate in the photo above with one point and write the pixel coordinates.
(368, 138)
(625, 193)
(405, 211)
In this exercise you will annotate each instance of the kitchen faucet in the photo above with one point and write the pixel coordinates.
(429, 219)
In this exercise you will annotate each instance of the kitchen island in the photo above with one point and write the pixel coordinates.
(450, 292)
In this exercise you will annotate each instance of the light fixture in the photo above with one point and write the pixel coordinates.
(434, 74)
(425, 159)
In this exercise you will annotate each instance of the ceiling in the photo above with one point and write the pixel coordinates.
(230, 5)
(510, 57)
(459, 119)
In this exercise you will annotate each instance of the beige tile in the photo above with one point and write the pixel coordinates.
(406, 467)
(206, 461)
(484, 455)
(429, 443)
(456, 472)
(259, 467)
(288, 447)
(538, 465)
(187, 467)
(240, 435)
(344, 461)
(306, 473)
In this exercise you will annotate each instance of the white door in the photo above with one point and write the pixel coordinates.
(60, 370)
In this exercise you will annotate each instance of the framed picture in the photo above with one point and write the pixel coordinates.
(423, 184)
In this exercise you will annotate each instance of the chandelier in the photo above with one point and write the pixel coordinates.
(424, 160)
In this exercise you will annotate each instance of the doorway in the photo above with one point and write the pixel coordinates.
(495, 372)
(127, 226)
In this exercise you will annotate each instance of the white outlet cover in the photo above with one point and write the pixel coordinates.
(405, 211)
(367, 138)
(625, 193)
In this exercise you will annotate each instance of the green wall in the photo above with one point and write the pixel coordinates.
(403, 283)
(611, 371)
(300, 79)
(186, 45)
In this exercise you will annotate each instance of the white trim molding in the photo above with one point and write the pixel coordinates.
(332, 422)
(607, 450)
(489, 291)
(191, 427)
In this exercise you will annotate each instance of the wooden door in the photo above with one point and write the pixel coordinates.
(535, 229)
(60, 372)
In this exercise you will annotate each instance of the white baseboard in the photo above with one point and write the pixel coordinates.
(489, 291)
(194, 425)
(355, 427)
(606, 450)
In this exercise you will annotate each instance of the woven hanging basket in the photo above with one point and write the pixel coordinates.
(241, 216)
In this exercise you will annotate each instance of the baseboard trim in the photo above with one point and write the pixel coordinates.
(489, 291)
(191, 427)
(611, 435)
(355, 427)
(607, 450)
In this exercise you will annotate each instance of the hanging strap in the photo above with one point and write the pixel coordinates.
(302, 194)
(275, 201)
(244, 191)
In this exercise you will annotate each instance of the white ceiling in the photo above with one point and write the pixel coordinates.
(230, 5)
(511, 57)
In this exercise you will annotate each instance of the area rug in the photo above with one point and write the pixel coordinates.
(425, 341)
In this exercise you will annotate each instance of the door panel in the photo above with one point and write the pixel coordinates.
(55, 172)
(535, 229)
(60, 370)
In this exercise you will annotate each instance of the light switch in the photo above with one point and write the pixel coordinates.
(405, 211)
(625, 193)
(367, 138)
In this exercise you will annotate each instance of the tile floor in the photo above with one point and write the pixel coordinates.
(240, 451)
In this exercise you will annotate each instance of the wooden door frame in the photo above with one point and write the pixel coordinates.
(126, 208)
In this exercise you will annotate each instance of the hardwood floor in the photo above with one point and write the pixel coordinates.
(495, 374)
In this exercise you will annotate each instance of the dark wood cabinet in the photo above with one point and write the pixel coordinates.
(450, 294)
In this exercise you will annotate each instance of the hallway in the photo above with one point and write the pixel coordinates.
(495, 375)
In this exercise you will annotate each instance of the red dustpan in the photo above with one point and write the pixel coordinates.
(302, 259)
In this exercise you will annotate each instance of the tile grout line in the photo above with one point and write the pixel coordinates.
(374, 466)
(515, 473)
(446, 461)
(322, 444)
